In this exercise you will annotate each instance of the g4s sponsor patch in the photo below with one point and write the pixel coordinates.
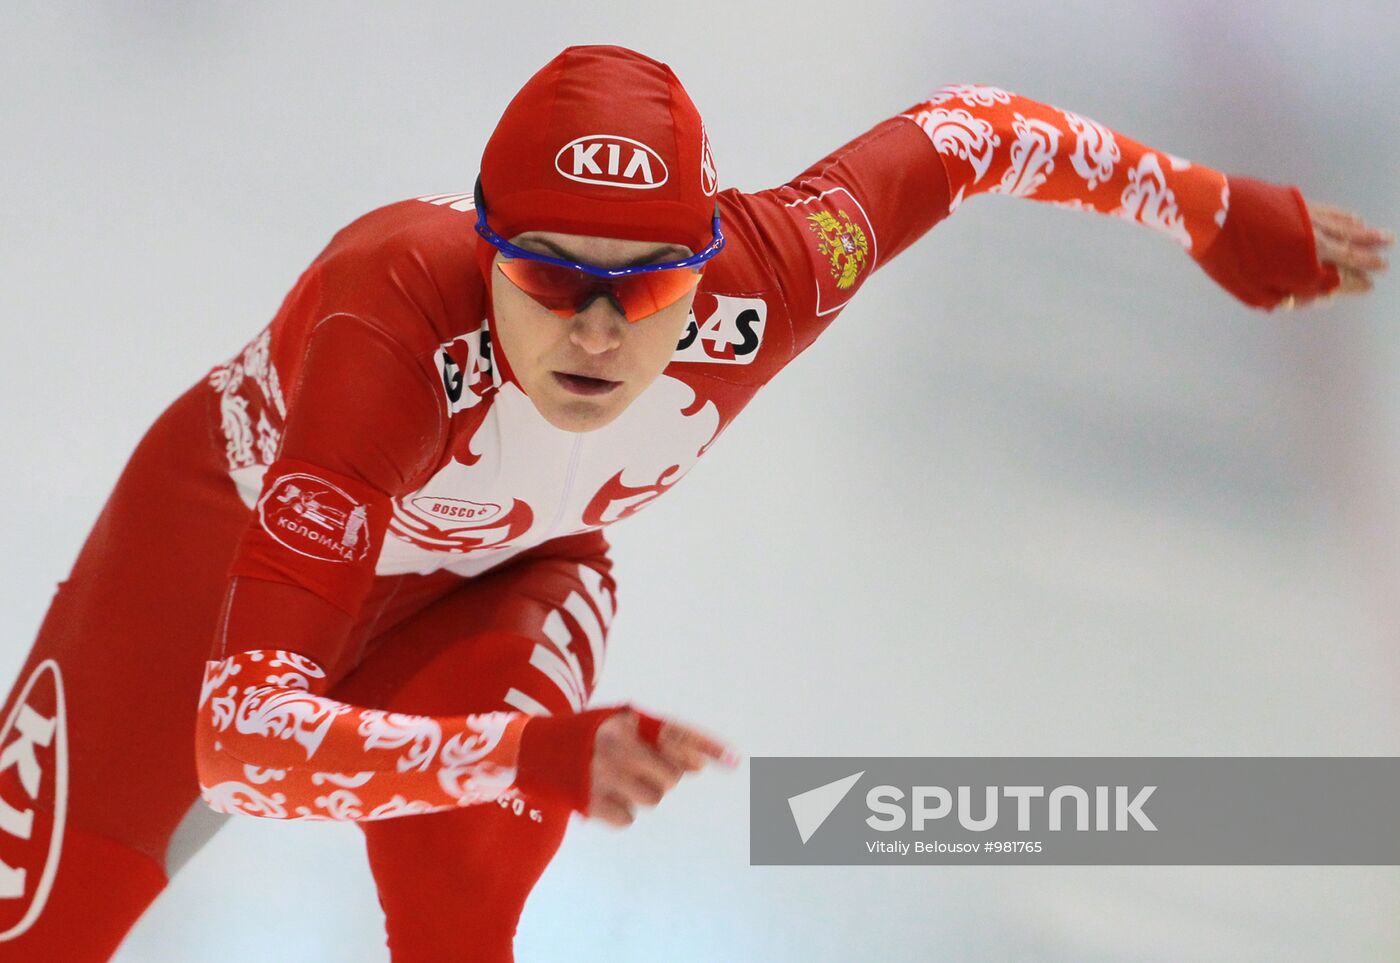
(465, 366)
(730, 332)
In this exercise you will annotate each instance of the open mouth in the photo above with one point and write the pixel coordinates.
(584, 385)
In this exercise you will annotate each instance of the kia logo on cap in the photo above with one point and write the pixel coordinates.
(611, 160)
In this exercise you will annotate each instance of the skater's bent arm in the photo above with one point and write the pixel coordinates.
(363, 425)
(364, 422)
(269, 745)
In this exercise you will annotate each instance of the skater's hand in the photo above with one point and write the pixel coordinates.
(1345, 240)
(1278, 250)
(627, 771)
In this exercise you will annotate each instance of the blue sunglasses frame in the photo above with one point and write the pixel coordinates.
(510, 250)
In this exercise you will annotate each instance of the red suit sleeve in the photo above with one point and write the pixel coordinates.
(363, 423)
(853, 211)
(271, 746)
(1253, 238)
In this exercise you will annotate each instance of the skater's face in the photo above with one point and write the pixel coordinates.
(582, 371)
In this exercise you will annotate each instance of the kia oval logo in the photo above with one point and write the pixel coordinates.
(612, 161)
(33, 798)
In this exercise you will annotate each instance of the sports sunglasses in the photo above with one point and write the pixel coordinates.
(566, 287)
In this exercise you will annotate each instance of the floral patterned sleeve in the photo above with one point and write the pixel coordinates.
(993, 141)
(831, 227)
(1252, 237)
(270, 745)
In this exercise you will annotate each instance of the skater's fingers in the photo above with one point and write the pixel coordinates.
(641, 791)
(611, 810)
(616, 739)
(632, 786)
(1331, 218)
(653, 769)
(668, 739)
(692, 748)
(685, 755)
(634, 774)
(636, 765)
(1343, 251)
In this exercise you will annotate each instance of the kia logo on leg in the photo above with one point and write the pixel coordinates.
(611, 160)
(33, 798)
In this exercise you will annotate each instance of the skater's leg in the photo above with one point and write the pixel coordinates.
(96, 760)
(452, 885)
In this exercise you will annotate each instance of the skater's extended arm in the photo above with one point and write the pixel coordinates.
(855, 210)
(1262, 242)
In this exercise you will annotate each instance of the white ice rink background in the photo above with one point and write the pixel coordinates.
(1042, 489)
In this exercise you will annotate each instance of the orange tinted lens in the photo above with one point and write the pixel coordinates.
(558, 288)
(644, 294)
(563, 290)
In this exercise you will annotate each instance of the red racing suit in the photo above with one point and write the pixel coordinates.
(400, 564)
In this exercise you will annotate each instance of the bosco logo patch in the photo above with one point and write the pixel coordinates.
(457, 510)
(611, 160)
(314, 518)
(730, 334)
(33, 798)
(841, 243)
